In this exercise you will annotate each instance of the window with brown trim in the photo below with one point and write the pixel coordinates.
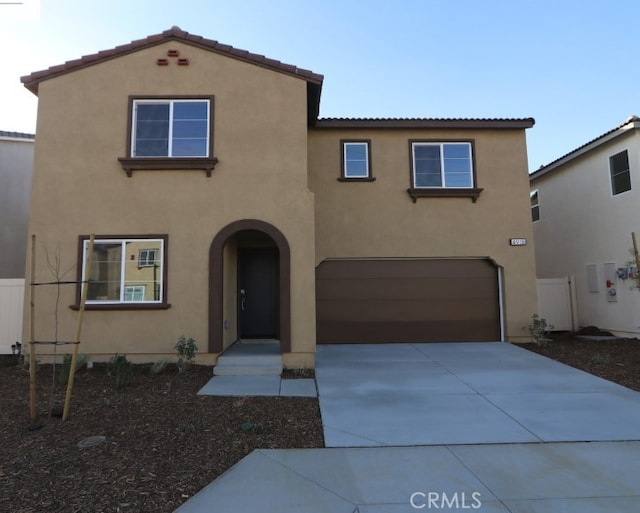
(170, 133)
(356, 161)
(442, 169)
(117, 280)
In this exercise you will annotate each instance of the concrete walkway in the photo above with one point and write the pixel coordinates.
(448, 426)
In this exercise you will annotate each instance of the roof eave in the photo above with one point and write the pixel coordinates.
(32, 81)
(416, 123)
(622, 130)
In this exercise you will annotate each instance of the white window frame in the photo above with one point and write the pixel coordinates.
(139, 290)
(123, 241)
(535, 195)
(441, 144)
(345, 161)
(146, 261)
(171, 103)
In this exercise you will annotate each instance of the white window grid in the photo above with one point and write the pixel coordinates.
(171, 104)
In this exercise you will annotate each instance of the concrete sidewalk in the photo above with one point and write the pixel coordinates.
(448, 426)
(600, 477)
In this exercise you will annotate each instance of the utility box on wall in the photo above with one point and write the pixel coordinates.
(611, 279)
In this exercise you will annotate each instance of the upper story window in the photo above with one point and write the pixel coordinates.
(442, 165)
(356, 164)
(443, 169)
(620, 175)
(170, 134)
(125, 272)
(170, 128)
(535, 206)
(148, 257)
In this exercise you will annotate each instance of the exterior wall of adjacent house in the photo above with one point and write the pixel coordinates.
(583, 224)
(379, 220)
(16, 161)
(260, 139)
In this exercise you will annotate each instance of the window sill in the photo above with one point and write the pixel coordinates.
(123, 306)
(363, 179)
(167, 164)
(416, 193)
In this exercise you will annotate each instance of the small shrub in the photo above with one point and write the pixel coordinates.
(158, 367)
(63, 377)
(186, 349)
(120, 370)
(539, 330)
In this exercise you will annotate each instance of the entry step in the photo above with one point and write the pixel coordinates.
(250, 359)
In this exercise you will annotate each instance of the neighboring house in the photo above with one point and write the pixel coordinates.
(585, 205)
(225, 209)
(16, 161)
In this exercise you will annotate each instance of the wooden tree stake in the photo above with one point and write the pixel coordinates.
(74, 357)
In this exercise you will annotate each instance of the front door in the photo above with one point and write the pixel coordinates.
(258, 293)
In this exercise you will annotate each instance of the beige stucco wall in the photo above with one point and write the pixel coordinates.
(79, 187)
(379, 220)
(582, 223)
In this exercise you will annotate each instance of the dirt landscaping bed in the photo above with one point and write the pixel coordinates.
(616, 360)
(163, 442)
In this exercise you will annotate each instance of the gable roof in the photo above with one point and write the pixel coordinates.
(314, 80)
(631, 123)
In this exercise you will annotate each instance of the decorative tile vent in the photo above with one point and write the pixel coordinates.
(175, 54)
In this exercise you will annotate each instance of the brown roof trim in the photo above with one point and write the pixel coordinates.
(497, 123)
(632, 122)
(32, 81)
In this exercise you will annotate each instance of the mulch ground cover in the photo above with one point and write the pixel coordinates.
(163, 442)
(616, 360)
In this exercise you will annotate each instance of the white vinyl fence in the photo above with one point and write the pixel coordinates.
(11, 305)
(556, 303)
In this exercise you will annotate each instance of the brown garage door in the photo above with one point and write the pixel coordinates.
(434, 300)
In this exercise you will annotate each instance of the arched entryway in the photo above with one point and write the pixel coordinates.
(261, 262)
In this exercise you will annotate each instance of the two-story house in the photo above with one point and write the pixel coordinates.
(225, 209)
(584, 208)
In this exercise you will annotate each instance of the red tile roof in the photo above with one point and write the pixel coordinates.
(425, 123)
(32, 81)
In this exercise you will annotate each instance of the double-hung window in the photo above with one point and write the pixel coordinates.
(170, 128)
(620, 174)
(125, 271)
(356, 164)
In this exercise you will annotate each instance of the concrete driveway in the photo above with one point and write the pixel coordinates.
(464, 393)
(447, 427)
